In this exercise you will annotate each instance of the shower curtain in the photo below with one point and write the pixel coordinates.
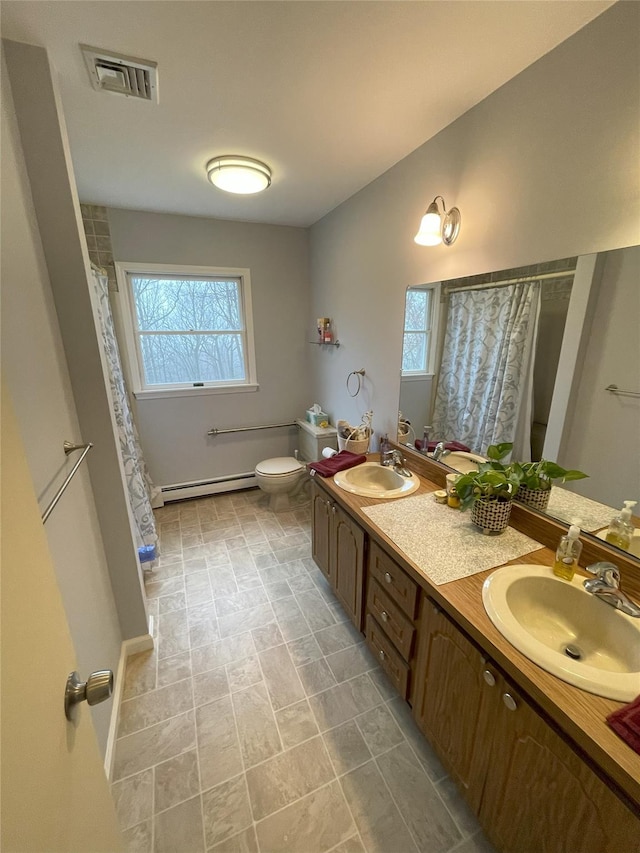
(484, 391)
(140, 489)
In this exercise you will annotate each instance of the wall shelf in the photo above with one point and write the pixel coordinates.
(326, 343)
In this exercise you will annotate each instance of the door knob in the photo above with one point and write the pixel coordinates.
(97, 688)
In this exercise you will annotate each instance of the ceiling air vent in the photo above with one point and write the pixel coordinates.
(123, 75)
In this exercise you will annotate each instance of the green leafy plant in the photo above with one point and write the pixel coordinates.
(485, 484)
(540, 475)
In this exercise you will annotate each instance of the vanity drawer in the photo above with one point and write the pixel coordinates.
(391, 619)
(395, 582)
(387, 656)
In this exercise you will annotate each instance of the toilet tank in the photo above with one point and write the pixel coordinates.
(312, 440)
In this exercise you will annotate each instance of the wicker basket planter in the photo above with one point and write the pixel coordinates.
(491, 516)
(535, 498)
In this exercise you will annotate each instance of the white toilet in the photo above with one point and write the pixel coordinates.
(285, 478)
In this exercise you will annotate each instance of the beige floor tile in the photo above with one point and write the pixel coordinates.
(209, 686)
(140, 674)
(203, 625)
(150, 746)
(314, 824)
(379, 822)
(226, 813)
(198, 589)
(174, 669)
(379, 729)
(173, 634)
(344, 701)
(316, 677)
(346, 747)
(197, 564)
(133, 799)
(257, 730)
(352, 845)
(180, 829)
(169, 603)
(150, 708)
(176, 780)
(288, 776)
(218, 745)
(429, 822)
(243, 842)
(139, 839)
(155, 588)
(296, 723)
(243, 673)
(281, 677)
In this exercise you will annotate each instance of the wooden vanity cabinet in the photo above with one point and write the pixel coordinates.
(338, 549)
(531, 791)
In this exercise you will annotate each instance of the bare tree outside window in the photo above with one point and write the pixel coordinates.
(190, 329)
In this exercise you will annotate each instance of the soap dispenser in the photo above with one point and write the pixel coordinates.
(620, 532)
(568, 554)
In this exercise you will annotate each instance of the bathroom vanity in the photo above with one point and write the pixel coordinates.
(533, 755)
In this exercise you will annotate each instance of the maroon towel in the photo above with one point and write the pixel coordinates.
(626, 723)
(340, 462)
(450, 445)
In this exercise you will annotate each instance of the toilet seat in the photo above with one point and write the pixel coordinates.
(279, 466)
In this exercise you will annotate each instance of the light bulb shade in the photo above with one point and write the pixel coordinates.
(430, 231)
(240, 175)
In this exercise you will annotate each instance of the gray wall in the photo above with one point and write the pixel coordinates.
(35, 369)
(546, 167)
(173, 431)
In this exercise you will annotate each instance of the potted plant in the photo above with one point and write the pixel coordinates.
(489, 491)
(536, 479)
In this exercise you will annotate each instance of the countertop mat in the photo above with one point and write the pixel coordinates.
(443, 542)
(588, 515)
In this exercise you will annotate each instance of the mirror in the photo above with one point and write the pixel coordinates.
(587, 340)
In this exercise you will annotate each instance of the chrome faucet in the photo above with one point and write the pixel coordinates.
(606, 586)
(394, 459)
(439, 451)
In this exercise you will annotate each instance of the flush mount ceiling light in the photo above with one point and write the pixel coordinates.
(436, 227)
(235, 174)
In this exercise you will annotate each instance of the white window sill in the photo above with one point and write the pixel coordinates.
(416, 377)
(160, 393)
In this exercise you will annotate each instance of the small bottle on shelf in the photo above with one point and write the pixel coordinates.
(327, 337)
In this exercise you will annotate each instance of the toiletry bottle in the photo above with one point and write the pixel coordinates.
(425, 439)
(328, 334)
(384, 445)
(620, 530)
(568, 554)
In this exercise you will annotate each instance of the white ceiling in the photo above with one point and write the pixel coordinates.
(330, 94)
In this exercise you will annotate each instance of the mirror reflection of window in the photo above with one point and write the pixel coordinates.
(418, 331)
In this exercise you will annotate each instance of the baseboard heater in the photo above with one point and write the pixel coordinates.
(215, 486)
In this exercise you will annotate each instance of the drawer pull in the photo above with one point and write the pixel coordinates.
(384, 616)
(509, 701)
(388, 577)
(334, 509)
(489, 677)
(381, 655)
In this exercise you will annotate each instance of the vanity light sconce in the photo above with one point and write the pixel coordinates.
(436, 227)
(236, 174)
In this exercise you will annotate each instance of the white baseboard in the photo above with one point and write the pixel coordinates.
(130, 647)
(181, 491)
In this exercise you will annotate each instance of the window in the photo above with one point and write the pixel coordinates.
(187, 329)
(418, 338)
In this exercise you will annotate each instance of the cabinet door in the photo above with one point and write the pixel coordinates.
(539, 796)
(321, 527)
(347, 563)
(449, 699)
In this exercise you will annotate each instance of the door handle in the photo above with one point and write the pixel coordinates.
(97, 688)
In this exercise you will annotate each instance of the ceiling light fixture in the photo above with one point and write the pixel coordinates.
(236, 174)
(436, 227)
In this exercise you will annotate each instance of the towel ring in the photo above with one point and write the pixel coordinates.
(359, 374)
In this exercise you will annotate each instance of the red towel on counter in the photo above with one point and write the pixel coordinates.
(626, 723)
(340, 462)
(449, 445)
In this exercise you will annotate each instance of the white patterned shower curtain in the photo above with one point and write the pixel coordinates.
(485, 382)
(140, 489)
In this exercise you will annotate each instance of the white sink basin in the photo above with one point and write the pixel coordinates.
(372, 480)
(541, 615)
(462, 462)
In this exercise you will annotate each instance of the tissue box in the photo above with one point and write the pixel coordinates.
(316, 418)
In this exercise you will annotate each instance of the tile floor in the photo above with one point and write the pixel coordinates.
(260, 723)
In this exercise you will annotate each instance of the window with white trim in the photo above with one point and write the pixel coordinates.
(187, 329)
(418, 338)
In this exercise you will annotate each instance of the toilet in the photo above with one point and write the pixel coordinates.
(284, 478)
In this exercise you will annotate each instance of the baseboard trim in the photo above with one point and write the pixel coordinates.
(201, 488)
(130, 647)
